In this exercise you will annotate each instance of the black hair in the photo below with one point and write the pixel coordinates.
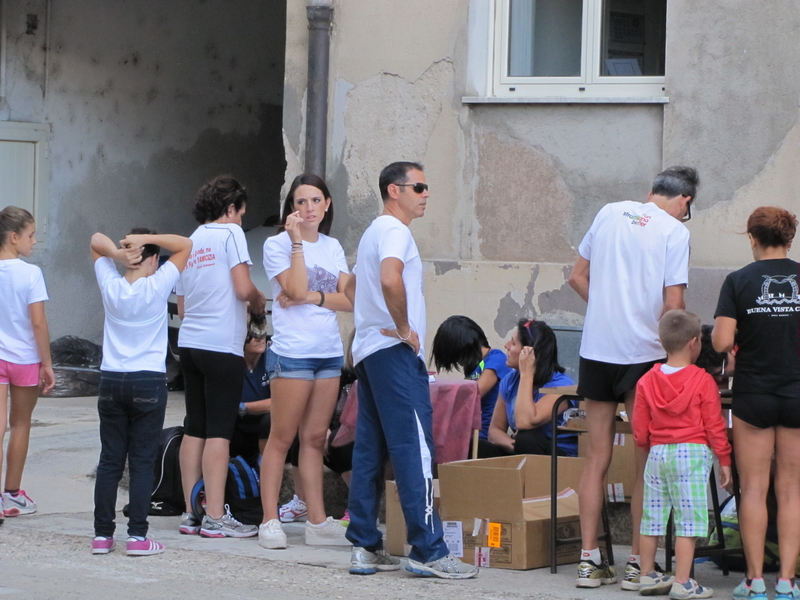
(676, 181)
(213, 198)
(148, 250)
(538, 335)
(458, 342)
(397, 172)
(288, 204)
(709, 359)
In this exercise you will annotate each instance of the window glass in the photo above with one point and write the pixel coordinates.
(633, 38)
(545, 38)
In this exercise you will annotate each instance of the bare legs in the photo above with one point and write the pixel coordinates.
(304, 406)
(23, 401)
(207, 459)
(600, 418)
(754, 448)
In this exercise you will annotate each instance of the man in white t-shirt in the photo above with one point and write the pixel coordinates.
(395, 417)
(133, 387)
(633, 267)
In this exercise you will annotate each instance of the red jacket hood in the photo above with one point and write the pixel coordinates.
(673, 393)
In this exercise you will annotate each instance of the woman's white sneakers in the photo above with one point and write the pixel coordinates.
(271, 535)
(328, 533)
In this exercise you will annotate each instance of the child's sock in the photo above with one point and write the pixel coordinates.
(634, 558)
(592, 555)
(12, 492)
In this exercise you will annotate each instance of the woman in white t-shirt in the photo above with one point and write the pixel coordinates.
(213, 296)
(308, 272)
(25, 361)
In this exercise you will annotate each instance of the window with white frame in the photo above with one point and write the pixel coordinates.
(24, 170)
(593, 49)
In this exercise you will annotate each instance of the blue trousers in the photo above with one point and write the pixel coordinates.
(395, 421)
(131, 408)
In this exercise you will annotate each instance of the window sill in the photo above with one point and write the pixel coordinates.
(563, 100)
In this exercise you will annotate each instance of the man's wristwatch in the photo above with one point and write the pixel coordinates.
(242, 409)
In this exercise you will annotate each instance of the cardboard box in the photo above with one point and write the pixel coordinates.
(496, 511)
(622, 471)
(396, 532)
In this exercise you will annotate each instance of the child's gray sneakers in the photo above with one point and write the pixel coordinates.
(689, 590)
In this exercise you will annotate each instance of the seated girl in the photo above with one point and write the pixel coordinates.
(521, 407)
(461, 343)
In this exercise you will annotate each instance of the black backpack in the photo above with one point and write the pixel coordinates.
(242, 491)
(167, 498)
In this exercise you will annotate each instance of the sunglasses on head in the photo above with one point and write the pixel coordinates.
(418, 187)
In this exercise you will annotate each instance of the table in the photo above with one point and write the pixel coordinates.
(456, 414)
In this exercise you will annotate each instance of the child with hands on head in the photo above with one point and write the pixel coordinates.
(678, 416)
(25, 362)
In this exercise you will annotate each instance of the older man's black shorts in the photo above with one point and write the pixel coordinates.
(609, 382)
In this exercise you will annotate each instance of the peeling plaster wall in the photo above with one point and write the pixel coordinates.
(515, 187)
(146, 100)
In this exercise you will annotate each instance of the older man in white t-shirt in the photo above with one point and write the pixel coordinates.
(633, 267)
(395, 417)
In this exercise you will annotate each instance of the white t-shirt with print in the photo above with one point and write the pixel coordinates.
(215, 319)
(635, 250)
(21, 284)
(305, 330)
(135, 327)
(386, 237)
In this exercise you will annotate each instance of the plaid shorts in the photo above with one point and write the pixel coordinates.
(676, 477)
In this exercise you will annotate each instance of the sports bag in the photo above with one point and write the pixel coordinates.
(242, 491)
(167, 498)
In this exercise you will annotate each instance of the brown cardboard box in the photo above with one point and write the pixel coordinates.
(622, 471)
(499, 510)
(396, 522)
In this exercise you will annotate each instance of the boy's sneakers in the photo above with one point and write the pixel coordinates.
(190, 525)
(19, 504)
(786, 589)
(293, 511)
(271, 535)
(757, 590)
(447, 567)
(689, 590)
(591, 575)
(102, 545)
(226, 526)
(655, 584)
(327, 533)
(364, 562)
(145, 547)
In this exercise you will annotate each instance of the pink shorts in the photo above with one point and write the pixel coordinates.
(19, 375)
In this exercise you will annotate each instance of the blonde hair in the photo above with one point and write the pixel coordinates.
(677, 328)
(13, 220)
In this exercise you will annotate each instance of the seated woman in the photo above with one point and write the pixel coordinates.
(533, 358)
(252, 426)
(461, 343)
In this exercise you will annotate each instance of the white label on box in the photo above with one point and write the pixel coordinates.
(616, 492)
(619, 439)
(477, 527)
(481, 557)
(453, 537)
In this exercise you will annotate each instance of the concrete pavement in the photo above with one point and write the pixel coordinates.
(47, 555)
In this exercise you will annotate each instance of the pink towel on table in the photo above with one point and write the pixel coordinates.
(456, 413)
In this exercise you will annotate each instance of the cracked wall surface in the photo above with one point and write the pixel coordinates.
(146, 101)
(515, 187)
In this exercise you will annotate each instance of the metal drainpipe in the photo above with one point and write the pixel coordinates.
(3, 52)
(319, 39)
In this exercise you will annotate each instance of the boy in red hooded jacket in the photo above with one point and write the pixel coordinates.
(678, 416)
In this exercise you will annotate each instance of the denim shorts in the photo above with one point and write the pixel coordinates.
(303, 368)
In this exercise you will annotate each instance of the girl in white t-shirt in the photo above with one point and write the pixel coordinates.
(25, 361)
(308, 272)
